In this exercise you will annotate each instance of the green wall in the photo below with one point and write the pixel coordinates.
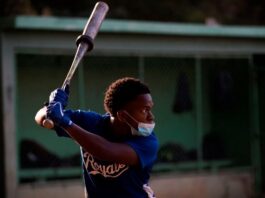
(162, 74)
(37, 75)
(231, 119)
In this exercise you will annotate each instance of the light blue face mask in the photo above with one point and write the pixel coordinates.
(143, 129)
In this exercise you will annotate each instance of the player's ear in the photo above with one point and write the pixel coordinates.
(120, 115)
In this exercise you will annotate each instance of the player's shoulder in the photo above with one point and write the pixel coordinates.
(150, 141)
(82, 113)
(152, 137)
(86, 118)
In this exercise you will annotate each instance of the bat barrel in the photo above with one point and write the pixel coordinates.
(96, 18)
(93, 24)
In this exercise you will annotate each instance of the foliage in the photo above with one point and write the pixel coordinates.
(241, 12)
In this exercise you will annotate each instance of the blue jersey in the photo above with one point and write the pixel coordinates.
(107, 179)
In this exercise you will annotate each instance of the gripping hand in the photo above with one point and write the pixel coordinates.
(60, 95)
(56, 114)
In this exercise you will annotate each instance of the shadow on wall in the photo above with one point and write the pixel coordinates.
(212, 147)
(33, 155)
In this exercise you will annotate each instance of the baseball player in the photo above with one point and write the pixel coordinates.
(118, 148)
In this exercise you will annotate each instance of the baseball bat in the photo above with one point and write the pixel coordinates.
(84, 43)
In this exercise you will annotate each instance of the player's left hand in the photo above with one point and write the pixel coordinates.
(56, 114)
(60, 95)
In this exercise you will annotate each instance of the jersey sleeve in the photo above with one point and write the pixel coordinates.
(88, 120)
(146, 149)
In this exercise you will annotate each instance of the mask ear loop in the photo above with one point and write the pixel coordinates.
(132, 128)
(131, 117)
(124, 120)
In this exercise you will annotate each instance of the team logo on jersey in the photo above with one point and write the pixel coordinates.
(95, 167)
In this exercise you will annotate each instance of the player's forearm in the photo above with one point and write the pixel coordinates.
(102, 148)
(94, 144)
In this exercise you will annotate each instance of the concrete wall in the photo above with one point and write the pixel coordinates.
(221, 185)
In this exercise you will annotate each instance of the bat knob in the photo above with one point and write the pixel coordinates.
(48, 124)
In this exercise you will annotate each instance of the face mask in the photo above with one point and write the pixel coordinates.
(144, 129)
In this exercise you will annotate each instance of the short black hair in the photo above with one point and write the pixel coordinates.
(122, 91)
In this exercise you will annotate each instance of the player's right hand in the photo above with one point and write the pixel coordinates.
(60, 95)
(56, 114)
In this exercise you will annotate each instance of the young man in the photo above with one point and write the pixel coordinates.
(119, 148)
